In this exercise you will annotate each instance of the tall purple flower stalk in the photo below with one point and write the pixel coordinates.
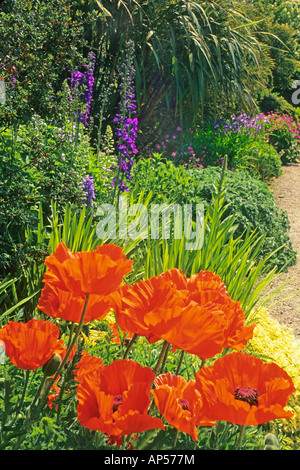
(89, 188)
(125, 122)
(82, 85)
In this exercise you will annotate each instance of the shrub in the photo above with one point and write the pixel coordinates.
(240, 138)
(39, 47)
(39, 163)
(166, 181)
(251, 200)
(283, 133)
(260, 159)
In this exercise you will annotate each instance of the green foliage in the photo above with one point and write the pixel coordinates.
(247, 198)
(259, 158)
(39, 48)
(165, 181)
(39, 163)
(255, 208)
(283, 134)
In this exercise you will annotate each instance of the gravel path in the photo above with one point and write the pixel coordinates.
(286, 190)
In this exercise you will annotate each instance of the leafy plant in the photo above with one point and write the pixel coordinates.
(247, 198)
(39, 162)
(283, 134)
(39, 47)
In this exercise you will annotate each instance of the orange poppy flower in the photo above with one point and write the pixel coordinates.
(204, 280)
(58, 303)
(195, 329)
(115, 400)
(180, 403)
(242, 389)
(156, 309)
(236, 332)
(194, 314)
(206, 287)
(30, 345)
(151, 295)
(87, 365)
(99, 271)
(115, 334)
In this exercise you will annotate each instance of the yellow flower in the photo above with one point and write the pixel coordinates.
(277, 343)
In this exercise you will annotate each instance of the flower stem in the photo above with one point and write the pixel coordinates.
(27, 374)
(180, 362)
(241, 435)
(130, 344)
(68, 352)
(162, 356)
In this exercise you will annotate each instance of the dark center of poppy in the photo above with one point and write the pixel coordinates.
(247, 394)
(184, 403)
(118, 400)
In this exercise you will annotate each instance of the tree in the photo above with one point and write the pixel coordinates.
(185, 51)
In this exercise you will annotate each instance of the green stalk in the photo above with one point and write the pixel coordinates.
(162, 356)
(241, 435)
(27, 374)
(180, 362)
(130, 344)
(71, 345)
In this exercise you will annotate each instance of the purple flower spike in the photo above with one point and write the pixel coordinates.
(88, 186)
(84, 81)
(126, 123)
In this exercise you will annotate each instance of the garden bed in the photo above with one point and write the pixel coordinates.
(146, 229)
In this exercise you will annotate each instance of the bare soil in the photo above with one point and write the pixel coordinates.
(286, 190)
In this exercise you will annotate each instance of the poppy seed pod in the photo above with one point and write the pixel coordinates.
(51, 366)
(271, 440)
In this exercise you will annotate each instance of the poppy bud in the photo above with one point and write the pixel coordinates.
(51, 366)
(271, 441)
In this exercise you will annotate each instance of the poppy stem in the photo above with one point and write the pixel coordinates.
(68, 352)
(27, 374)
(176, 439)
(241, 435)
(130, 344)
(74, 340)
(162, 356)
(180, 362)
(164, 359)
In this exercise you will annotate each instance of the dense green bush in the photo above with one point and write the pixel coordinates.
(39, 48)
(166, 181)
(39, 163)
(254, 206)
(283, 133)
(241, 139)
(259, 158)
(250, 200)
